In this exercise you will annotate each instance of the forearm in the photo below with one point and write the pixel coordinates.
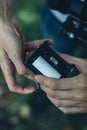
(6, 9)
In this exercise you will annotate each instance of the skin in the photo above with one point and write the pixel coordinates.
(68, 94)
(11, 59)
(13, 48)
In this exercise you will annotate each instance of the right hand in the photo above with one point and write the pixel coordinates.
(68, 94)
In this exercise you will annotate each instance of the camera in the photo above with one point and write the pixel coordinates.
(75, 26)
(77, 8)
(75, 30)
(47, 62)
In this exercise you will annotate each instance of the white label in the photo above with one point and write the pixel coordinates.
(45, 68)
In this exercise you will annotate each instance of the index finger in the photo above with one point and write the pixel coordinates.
(9, 73)
(29, 46)
(55, 84)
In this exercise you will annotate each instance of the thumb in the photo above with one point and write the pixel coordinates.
(70, 59)
(80, 63)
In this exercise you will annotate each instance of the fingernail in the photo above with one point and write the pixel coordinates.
(29, 91)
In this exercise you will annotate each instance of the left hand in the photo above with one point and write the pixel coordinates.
(68, 94)
(12, 49)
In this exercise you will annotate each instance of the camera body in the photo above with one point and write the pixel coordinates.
(77, 8)
(75, 26)
(47, 62)
(75, 30)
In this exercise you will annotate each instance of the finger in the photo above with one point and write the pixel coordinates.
(73, 110)
(62, 103)
(34, 44)
(69, 58)
(74, 60)
(55, 84)
(67, 103)
(8, 71)
(74, 95)
(80, 63)
(17, 60)
(15, 54)
(76, 82)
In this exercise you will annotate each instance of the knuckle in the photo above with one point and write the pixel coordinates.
(53, 85)
(11, 89)
(51, 94)
(79, 95)
(82, 95)
(82, 81)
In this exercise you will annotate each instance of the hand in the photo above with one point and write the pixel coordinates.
(68, 94)
(11, 60)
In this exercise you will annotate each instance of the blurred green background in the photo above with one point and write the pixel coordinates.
(24, 112)
(28, 14)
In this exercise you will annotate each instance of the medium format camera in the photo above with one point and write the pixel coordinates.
(75, 30)
(77, 8)
(75, 26)
(47, 62)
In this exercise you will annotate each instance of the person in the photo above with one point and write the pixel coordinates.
(52, 20)
(12, 49)
(67, 94)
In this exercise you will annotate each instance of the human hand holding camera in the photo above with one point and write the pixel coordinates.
(68, 94)
(11, 56)
(12, 49)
